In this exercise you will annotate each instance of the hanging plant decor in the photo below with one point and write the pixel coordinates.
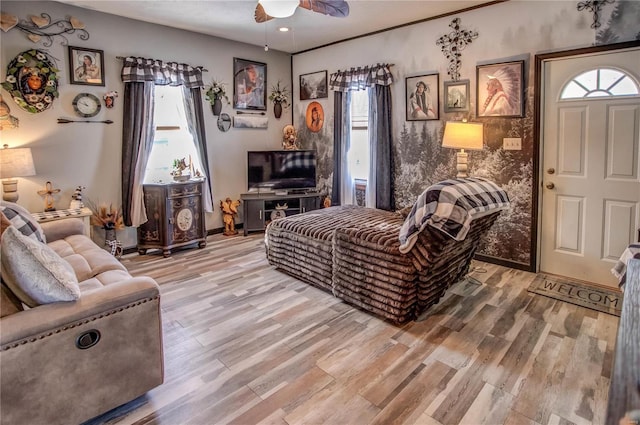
(32, 81)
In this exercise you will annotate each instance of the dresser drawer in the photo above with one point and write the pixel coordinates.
(186, 189)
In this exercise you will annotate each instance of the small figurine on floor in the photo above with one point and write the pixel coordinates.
(76, 198)
(229, 213)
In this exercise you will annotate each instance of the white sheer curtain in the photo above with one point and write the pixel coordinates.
(347, 185)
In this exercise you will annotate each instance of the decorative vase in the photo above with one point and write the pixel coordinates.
(277, 109)
(216, 107)
(109, 235)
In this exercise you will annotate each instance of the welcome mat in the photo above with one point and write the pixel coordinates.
(574, 292)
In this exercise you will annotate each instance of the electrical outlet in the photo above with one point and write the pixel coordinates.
(512, 143)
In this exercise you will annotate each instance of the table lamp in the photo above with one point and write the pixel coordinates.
(14, 163)
(462, 135)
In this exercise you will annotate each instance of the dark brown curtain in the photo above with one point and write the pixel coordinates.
(338, 125)
(137, 141)
(380, 118)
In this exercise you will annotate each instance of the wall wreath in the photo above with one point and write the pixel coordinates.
(32, 81)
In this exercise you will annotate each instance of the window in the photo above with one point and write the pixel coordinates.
(172, 138)
(358, 155)
(600, 82)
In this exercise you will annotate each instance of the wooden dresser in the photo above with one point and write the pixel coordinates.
(175, 217)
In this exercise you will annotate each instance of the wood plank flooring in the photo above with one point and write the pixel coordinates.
(247, 344)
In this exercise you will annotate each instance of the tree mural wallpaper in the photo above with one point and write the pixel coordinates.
(421, 161)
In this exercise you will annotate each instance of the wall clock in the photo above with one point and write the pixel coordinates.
(86, 105)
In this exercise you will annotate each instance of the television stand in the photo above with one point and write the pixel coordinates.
(260, 209)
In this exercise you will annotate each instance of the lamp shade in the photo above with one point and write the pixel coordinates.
(279, 8)
(16, 163)
(463, 135)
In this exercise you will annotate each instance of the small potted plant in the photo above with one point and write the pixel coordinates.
(280, 98)
(214, 94)
(181, 170)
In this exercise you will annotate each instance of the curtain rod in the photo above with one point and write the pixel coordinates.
(203, 69)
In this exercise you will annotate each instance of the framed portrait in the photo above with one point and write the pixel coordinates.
(500, 89)
(456, 96)
(422, 103)
(249, 80)
(86, 66)
(314, 117)
(314, 85)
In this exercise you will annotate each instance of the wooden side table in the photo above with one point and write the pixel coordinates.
(82, 213)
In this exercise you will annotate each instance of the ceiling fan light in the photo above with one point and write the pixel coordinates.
(279, 8)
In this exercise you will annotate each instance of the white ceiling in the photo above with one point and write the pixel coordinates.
(233, 19)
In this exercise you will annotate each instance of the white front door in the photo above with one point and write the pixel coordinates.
(590, 178)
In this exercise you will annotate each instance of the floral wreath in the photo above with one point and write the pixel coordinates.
(32, 81)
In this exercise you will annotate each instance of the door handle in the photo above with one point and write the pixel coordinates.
(550, 185)
(551, 170)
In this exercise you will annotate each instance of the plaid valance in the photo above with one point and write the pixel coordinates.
(361, 77)
(161, 73)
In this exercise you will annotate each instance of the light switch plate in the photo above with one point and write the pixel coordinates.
(512, 143)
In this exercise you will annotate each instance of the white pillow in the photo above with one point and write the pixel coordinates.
(34, 272)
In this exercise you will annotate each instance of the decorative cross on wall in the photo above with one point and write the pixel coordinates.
(594, 6)
(452, 45)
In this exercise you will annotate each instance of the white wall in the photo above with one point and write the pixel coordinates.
(75, 154)
(506, 30)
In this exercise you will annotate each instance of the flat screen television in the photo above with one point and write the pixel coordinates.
(281, 170)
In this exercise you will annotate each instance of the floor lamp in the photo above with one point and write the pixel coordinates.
(462, 135)
(14, 163)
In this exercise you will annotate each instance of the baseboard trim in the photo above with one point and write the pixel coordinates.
(503, 262)
(210, 232)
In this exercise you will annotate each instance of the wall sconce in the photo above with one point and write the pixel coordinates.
(462, 135)
(14, 163)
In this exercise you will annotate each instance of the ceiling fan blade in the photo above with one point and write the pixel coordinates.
(336, 8)
(260, 15)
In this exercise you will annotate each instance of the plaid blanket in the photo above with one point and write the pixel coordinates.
(620, 268)
(450, 206)
(298, 159)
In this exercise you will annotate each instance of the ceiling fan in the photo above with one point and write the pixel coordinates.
(269, 9)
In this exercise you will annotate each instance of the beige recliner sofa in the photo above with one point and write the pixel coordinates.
(67, 362)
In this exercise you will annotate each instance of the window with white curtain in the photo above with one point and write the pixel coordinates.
(359, 151)
(172, 137)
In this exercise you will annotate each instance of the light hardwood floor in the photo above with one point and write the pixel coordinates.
(247, 344)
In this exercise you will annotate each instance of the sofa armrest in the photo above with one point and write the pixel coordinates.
(60, 229)
(49, 318)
